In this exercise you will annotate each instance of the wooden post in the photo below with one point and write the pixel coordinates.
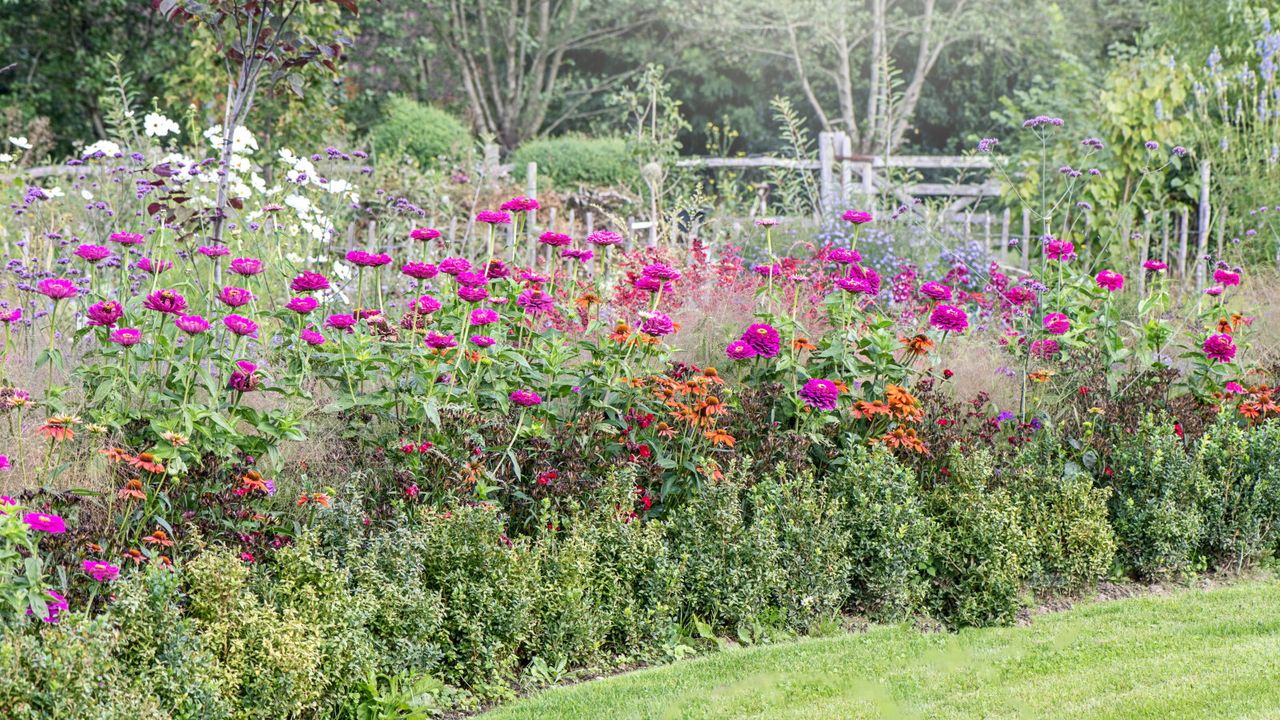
(1004, 235)
(591, 222)
(630, 233)
(531, 189)
(1203, 245)
(1222, 231)
(844, 148)
(1142, 270)
(1182, 247)
(1026, 238)
(826, 174)
(1164, 245)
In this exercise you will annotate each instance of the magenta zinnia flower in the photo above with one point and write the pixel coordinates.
(420, 270)
(1060, 250)
(424, 234)
(497, 270)
(1109, 280)
(341, 322)
(949, 318)
(153, 267)
(660, 271)
(766, 222)
(740, 350)
(844, 256)
(100, 571)
(1220, 348)
(57, 604)
(535, 302)
(309, 282)
(45, 523)
(240, 325)
(302, 305)
(92, 253)
(579, 255)
(473, 293)
(860, 280)
(764, 339)
(604, 237)
(166, 301)
(57, 288)
(1155, 266)
(526, 398)
(493, 217)
(554, 239)
(191, 324)
(1226, 278)
(425, 305)
(245, 266)
(244, 378)
(657, 325)
(857, 217)
(483, 316)
(365, 259)
(104, 314)
(454, 266)
(935, 291)
(126, 336)
(235, 297)
(125, 238)
(214, 251)
(1056, 323)
(482, 340)
(440, 342)
(520, 203)
(1046, 348)
(820, 394)
(311, 337)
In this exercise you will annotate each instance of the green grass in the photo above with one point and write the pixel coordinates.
(1195, 654)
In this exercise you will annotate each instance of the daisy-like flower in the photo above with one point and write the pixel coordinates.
(235, 297)
(1220, 348)
(57, 288)
(302, 304)
(1056, 324)
(554, 239)
(240, 325)
(424, 234)
(45, 522)
(420, 270)
(191, 324)
(170, 302)
(311, 337)
(126, 238)
(604, 238)
(92, 253)
(493, 217)
(100, 571)
(935, 291)
(521, 203)
(104, 314)
(126, 337)
(246, 266)
(1109, 280)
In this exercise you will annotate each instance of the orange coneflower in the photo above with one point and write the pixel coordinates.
(712, 376)
(801, 344)
(252, 480)
(93, 548)
(115, 454)
(621, 332)
(1040, 375)
(665, 431)
(869, 409)
(904, 438)
(159, 537)
(173, 438)
(135, 555)
(587, 299)
(148, 462)
(58, 427)
(164, 561)
(719, 437)
(132, 490)
(918, 345)
(320, 499)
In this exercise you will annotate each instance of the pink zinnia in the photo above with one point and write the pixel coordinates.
(820, 394)
(341, 322)
(844, 256)
(575, 254)
(311, 337)
(1056, 323)
(309, 282)
(739, 350)
(857, 217)
(1109, 280)
(191, 324)
(526, 398)
(125, 238)
(235, 297)
(949, 318)
(214, 251)
(935, 291)
(521, 203)
(482, 341)
(244, 378)
(425, 305)
(420, 270)
(166, 301)
(766, 222)
(493, 217)
(483, 316)
(1155, 266)
(473, 293)
(604, 237)
(302, 305)
(240, 325)
(1046, 348)
(245, 266)
(45, 523)
(56, 604)
(92, 253)
(104, 314)
(1060, 250)
(454, 266)
(554, 239)
(1220, 348)
(153, 267)
(440, 342)
(536, 301)
(764, 339)
(126, 336)
(100, 571)
(57, 288)
(424, 234)
(365, 259)
(1226, 278)
(657, 325)
(660, 271)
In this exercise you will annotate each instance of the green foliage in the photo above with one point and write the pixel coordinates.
(1155, 502)
(573, 160)
(888, 533)
(1065, 518)
(979, 554)
(1241, 503)
(422, 132)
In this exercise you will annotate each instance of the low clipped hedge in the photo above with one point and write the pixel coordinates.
(421, 132)
(569, 161)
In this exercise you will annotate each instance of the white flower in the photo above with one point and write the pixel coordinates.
(20, 142)
(6, 158)
(157, 125)
(106, 147)
(86, 194)
(242, 140)
(298, 202)
(55, 192)
(338, 186)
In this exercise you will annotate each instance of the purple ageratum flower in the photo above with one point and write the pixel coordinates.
(604, 238)
(1109, 280)
(1179, 151)
(454, 266)
(57, 288)
(521, 203)
(41, 522)
(302, 305)
(579, 255)
(420, 270)
(100, 571)
(1220, 348)
(126, 337)
(857, 217)
(936, 291)
(309, 282)
(483, 316)
(166, 301)
(311, 337)
(657, 325)
(483, 341)
(1155, 266)
(493, 217)
(424, 234)
(1056, 324)
(473, 293)
(153, 267)
(438, 341)
(365, 259)
(820, 394)
(1060, 250)
(240, 325)
(214, 251)
(244, 378)
(235, 297)
(191, 324)
(92, 253)
(526, 398)
(104, 314)
(125, 238)
(1226, 278)
(554, 239)
(763, 339)
(660, 271)
(1046, 348)
(1151, 145)
(246, 266)
(340, 322)
(536, 302)
(949, 318)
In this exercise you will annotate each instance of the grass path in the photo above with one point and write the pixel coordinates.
(1194, 654)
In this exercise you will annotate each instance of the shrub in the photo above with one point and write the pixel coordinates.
(1065, 519)
(979, 552)
(1241, 504)
(422, 132)
(888, 533)
(572, 160)
(1155, 501)
(729, 567)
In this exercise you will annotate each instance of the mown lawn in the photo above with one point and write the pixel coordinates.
(1195, 654)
